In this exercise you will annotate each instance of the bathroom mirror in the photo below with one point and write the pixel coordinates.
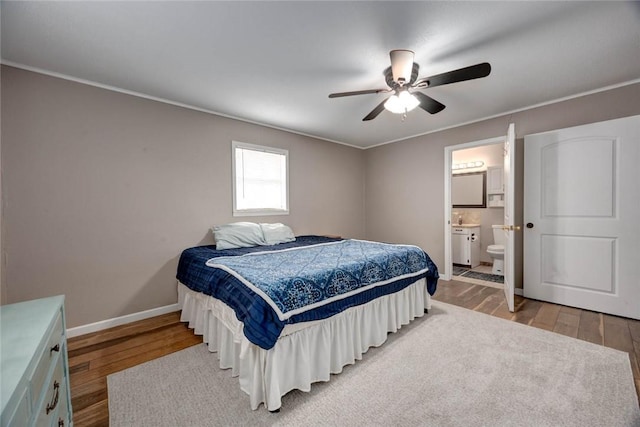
(468, 190)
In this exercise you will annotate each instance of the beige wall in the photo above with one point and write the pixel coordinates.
(405, 181)
(104, 190)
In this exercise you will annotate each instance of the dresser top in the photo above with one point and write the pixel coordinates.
(23, 329)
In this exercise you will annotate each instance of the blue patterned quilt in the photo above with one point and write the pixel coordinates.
(310, 279)
(298, 279)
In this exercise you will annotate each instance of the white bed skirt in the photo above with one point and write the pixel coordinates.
(305, 353)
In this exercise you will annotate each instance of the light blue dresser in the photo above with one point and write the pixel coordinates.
(34, 372)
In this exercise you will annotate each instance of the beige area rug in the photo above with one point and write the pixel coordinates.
(453, 367)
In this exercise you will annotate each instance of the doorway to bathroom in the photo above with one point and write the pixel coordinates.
(475, 203)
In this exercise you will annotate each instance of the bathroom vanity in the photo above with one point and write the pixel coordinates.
(465, 244)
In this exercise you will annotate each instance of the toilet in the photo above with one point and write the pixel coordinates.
(496, 251)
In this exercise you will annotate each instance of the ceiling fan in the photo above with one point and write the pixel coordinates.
(402, 79)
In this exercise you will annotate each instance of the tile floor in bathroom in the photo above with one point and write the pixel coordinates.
(480, 275)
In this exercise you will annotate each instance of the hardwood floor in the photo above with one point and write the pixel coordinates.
(94, 356)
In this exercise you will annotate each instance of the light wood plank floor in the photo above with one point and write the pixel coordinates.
(94, 356)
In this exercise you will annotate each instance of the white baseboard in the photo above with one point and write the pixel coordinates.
(518, 291)
(122, 320)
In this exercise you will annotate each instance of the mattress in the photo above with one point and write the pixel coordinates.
(313, 278)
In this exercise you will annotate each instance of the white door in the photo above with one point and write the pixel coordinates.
(509, 227)
(582, 210)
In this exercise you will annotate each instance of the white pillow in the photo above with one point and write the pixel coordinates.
(277, 233)
(238, 235)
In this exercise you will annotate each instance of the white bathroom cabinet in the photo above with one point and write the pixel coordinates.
(495, 187)
(465, 243)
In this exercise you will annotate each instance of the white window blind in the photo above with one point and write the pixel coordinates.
(260, 183)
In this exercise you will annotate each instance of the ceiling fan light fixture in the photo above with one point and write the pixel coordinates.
(401, 103)
(401, 65)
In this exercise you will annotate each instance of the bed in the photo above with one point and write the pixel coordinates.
(284, 316)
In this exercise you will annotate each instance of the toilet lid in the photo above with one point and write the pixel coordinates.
(495, 248)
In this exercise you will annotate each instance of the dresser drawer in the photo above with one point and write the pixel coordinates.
(23, 412)
(51, 350)
(33, 364)
(55, 397)
(63, 418)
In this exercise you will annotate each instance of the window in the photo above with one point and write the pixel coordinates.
(260, 180)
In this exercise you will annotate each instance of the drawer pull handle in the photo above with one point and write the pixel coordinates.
(54, 401)
(54, 348)
(60, 422)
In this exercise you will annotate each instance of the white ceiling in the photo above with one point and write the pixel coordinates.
(274, 63)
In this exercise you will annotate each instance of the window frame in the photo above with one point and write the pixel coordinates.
(258, 211)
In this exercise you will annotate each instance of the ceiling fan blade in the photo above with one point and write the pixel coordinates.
(374, 113)
(428, 104)
(358, 92)
(468, 73)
